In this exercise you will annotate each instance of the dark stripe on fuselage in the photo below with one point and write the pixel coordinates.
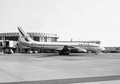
(26, 39)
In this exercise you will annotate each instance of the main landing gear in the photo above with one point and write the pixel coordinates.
(65, 51)
(97, 52)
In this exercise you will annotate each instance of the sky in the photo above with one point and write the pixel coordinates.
(81, 20)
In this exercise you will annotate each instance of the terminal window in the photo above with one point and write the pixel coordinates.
(36, 38)
(45, 39)
(14, 38)
(0, 43)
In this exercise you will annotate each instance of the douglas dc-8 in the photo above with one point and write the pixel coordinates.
(62, 47)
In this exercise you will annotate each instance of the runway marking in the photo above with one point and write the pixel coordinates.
(12, 75)
(70, 80)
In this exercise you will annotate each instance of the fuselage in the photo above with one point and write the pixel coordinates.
(60, 45)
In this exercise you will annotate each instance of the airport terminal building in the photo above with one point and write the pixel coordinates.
(10, 40)
(41, 37)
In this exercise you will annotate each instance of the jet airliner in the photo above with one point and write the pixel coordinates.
(62, 47)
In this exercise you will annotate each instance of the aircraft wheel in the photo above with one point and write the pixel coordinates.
(60, 53)
(66, 53)
(96, 53)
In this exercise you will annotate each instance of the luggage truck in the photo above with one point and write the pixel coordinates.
(8, 47)
(1, 45)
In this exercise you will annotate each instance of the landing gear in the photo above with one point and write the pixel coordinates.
(63, 53)
(97, 53)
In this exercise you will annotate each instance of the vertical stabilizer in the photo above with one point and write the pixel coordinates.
(24, 37)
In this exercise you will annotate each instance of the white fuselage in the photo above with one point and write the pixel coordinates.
(60, 45)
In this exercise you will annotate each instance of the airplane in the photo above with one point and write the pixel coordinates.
(62, 47)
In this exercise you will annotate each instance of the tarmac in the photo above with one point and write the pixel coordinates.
(50, 68)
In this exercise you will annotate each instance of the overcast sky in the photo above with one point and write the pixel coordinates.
(76, 19)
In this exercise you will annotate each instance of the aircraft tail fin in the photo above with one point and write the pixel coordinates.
(24, 37)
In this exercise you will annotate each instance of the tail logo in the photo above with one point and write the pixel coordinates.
(23, 36)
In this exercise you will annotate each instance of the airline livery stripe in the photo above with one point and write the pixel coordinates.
(26, 39)
(21, 32)
(23, 35)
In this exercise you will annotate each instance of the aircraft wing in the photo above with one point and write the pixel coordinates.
(77, 48)
(72, 48)
(58, 49)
